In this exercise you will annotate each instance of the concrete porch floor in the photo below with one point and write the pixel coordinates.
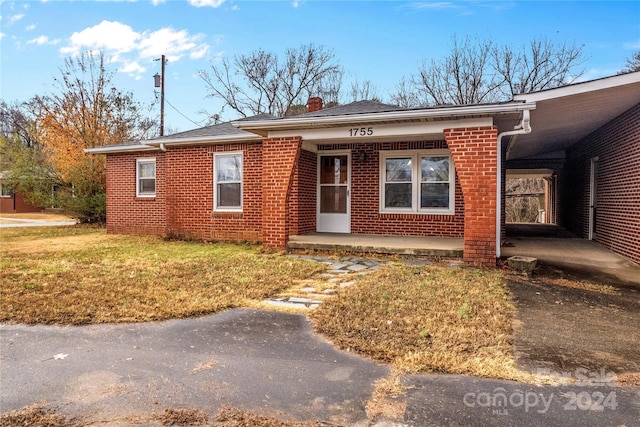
(366, 243)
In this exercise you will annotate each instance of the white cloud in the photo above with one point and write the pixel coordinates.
(2, 35)
(107, 35)
(42, 40)
(15, 18)
(199, 52)
(133, 68)
(128, 48)
(30, 27)
(206, 3)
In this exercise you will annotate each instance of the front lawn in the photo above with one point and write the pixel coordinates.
(418, 319)
(426, 319)
(78, 275)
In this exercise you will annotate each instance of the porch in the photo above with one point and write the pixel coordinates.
(449, 247)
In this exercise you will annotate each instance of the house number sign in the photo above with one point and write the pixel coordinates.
(360, 131)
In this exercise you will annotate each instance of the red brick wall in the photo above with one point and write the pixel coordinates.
(280, 157)
(183, 206)
(247, 225)
(617, 144)
(21, 206)
(302, 213)
(365, 196)
(474, 152)
(126, 213)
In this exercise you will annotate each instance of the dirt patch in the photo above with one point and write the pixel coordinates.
(568, 322)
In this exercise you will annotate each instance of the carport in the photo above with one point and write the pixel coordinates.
(585, 142)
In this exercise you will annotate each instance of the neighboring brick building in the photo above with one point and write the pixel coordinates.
(13, 202)
(370, 168)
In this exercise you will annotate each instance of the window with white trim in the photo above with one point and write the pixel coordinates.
(228, 181)
(146, 177)
(417, 182)
(5, 190)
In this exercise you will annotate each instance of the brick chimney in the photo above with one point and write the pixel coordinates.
(314, 104)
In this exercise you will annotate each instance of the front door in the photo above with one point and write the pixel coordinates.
(334, 199)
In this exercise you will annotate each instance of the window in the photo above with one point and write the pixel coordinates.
(228, 181)
(5, 190)
(146, 178)
(416, 182)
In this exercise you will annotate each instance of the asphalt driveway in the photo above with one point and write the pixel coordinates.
(266, 362)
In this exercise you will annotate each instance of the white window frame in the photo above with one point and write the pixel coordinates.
(416, 169)
(139, 192)
(5, 190)
(217, 156)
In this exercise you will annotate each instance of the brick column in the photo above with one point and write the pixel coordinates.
(279, 158)
(474, 152)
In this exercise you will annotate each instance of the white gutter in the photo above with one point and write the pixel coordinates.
(119, 149)
(221, 139)
(521, 129)
(467, 110)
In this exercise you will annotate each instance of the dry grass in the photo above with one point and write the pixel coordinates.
(35, 416)
(183, 417)
(426, 319)
(234, 417)
(78, 275)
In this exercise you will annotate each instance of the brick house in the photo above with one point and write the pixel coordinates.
(370, 168)
(14, 202)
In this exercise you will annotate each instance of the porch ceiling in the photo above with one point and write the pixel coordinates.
(564, 116)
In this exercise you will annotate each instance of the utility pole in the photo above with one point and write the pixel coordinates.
(159, 82)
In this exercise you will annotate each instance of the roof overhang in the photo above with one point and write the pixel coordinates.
(112, 149)
(203, 140)
(293, 125)
(565, 115)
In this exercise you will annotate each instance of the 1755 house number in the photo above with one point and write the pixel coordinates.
(360, 131)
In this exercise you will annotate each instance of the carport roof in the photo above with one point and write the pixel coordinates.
(565, 115)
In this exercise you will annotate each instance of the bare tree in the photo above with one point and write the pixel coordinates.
(632, 65)
(478, 71)
(462, 77)
(405, 96)
(541, 65)
(260, 82)
(363, 90)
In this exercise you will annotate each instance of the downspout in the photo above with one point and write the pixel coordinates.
(162, 147)
(521, 129)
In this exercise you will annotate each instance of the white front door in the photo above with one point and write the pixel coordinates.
(334, 193)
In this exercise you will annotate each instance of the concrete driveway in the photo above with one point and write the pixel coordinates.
(34, 220)
(266, 362)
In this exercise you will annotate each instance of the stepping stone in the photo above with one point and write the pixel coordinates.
(340, 266)
(329, 291)
(357, 267)
(308, 290)
(345, 284)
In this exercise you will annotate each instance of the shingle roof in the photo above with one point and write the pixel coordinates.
(358, 107)
(220, 129)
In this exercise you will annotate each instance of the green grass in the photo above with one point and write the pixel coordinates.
(76, 275)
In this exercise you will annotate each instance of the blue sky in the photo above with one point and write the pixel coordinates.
(379, 41)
